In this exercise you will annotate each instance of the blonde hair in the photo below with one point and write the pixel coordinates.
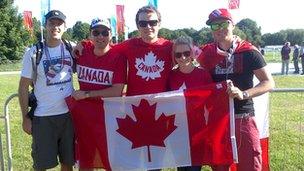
(182, 40)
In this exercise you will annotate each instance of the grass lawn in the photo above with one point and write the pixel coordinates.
(16, 66)
(273, 57)
(286, 125)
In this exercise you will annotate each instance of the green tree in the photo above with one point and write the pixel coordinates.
(13, 36)
(204, 36)
(36, 30)
(133, 34)
(68, 35)
(294, 36)
(251, 30)
(166, 33)
(80, 31)
(278, 38)
(239, 33)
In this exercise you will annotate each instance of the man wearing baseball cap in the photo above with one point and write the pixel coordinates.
(237, 61)
(108, 76)
(51, 126)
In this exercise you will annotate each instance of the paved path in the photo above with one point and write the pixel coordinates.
(275, 68)
(10, 73)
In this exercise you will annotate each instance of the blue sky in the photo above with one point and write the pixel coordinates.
(271, 15)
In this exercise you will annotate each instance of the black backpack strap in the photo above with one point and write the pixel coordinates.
(69, 47)
(36, 57)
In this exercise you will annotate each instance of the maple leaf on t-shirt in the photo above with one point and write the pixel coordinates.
(146, 130)
(149, 67)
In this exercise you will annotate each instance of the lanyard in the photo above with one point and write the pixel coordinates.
(48, 57)
(47, 53)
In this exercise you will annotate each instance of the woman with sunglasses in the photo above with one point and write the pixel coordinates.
(185, 74)
(101, 73)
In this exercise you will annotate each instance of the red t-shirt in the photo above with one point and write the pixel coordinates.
(149, 65)
(100, 72)
(95, 73)
(198, 77)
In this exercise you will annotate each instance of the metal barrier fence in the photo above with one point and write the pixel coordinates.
(8, 136)
(285, 163)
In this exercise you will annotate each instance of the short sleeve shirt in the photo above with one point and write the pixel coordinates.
(100, 72)
(198, 77)
(149, 65)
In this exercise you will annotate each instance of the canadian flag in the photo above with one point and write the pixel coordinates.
(233, 4)
(165, 130)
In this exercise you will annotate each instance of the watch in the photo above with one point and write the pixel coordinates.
(245, 95)
(87, 94)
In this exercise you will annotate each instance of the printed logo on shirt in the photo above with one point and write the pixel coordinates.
(57, 70)
(94, 76)
(149, 67)
(225, 67)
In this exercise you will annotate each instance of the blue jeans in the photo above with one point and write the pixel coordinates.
(285, 67)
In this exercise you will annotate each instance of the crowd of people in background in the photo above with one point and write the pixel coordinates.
(297, 56)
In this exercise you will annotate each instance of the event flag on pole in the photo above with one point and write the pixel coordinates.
(233, 4)
(113, 26)
(165, 130)
(120, 20)
(45, 7)
(153, 3)
(27, 20)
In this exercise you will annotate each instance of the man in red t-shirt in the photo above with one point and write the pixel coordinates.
(230, 58)
(101, 73)
(149, 57)
(101, 70)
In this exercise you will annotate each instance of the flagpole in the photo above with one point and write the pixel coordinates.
(232, 131)
(49, 5)
(41, 30)
(126, 31)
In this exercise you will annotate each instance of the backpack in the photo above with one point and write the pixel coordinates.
(36, 57)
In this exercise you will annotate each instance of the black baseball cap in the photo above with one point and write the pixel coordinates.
(55, 14)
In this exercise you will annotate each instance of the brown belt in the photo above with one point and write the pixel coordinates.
(243, 115)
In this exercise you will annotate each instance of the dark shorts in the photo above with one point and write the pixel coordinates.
(52, 136)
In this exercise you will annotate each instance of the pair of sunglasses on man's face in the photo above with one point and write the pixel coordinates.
(218, 26)
(104, 33)
(180, 54)
(144, 23)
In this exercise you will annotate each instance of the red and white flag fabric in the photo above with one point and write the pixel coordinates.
(261, 106)
(165, 130)
(233, 4)
(120, 20)
(27, 20)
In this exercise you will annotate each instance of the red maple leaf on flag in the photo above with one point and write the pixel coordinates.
(146, 130)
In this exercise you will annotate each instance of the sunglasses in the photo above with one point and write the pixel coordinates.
(180, 54)
(151, 23)
(104, 33)
(218, 26)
